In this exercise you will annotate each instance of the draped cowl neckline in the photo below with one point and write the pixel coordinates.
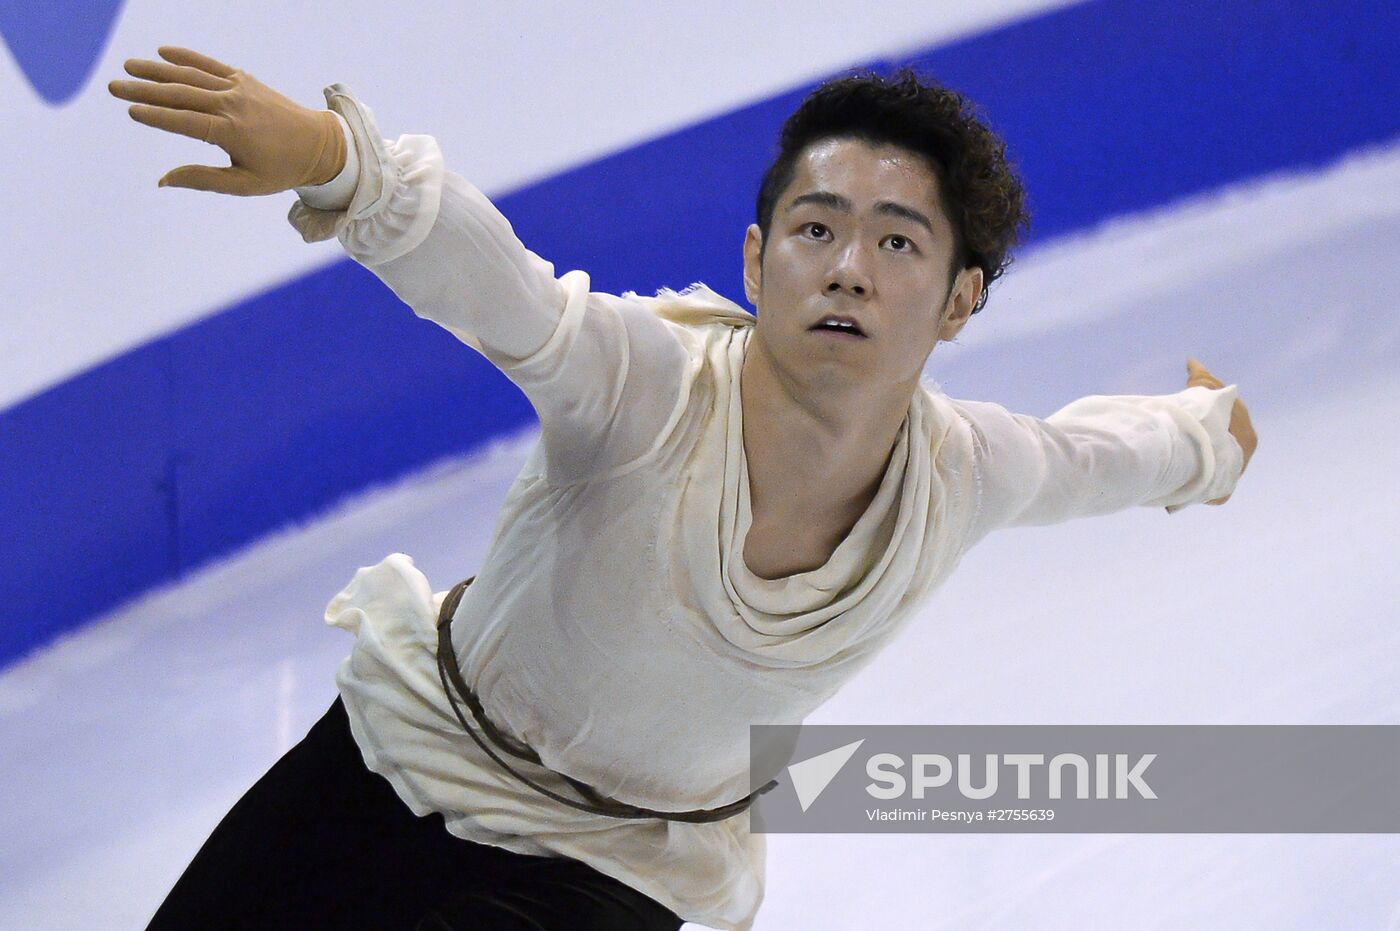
(809, 615)
(890, 557)
(818, 589)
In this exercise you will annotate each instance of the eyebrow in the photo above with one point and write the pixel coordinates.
(838, 202)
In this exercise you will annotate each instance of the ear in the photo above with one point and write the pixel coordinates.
(967, 288)
(753, 270)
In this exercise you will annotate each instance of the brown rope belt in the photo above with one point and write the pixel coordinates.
(596, 803)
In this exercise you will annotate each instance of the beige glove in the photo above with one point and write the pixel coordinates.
(1241, 427)
(274, 143)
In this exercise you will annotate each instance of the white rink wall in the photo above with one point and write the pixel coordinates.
(514, 92)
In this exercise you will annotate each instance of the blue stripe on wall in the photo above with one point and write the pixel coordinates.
(1113, 108)
(185, 449)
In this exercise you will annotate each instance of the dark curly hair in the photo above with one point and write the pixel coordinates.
(982, 195)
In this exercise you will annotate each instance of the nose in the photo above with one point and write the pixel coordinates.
(849, 273)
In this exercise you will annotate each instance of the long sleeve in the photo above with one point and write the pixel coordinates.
(604, 373)
(1101, 454)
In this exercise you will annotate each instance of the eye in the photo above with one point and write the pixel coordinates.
(818, 230)
(901, 243)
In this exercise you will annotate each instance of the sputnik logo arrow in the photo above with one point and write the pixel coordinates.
(811, 777)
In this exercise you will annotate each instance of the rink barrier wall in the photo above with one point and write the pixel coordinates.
(264, 414)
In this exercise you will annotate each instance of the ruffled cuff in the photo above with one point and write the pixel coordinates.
(397, 195)
(1204, 415)
(393, 593)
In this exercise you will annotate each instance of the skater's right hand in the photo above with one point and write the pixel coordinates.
(274, 143)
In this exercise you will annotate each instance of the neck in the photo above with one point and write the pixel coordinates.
(815, 449)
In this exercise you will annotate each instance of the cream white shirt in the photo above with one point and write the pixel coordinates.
(614, 626)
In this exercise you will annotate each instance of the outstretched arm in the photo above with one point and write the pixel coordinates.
(605, 374)
(1104, 453)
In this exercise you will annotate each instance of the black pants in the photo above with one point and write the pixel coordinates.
(321, 842)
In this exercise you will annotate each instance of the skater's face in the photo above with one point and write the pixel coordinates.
(859, 232)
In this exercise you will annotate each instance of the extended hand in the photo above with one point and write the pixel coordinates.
(274, 143)
(1240, 427)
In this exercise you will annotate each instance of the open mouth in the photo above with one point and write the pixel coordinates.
(840, 330)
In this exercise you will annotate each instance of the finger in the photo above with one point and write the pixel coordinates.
(1193, 367)
(199, 126)
(167, 73)
(173, 96)
(185, 56)
(1218, 501)
(207, 178)
(1198, 374)
(1242, 428)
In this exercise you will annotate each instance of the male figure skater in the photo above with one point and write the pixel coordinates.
(724, 519)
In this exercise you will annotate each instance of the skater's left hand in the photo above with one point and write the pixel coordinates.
(1240, 427)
